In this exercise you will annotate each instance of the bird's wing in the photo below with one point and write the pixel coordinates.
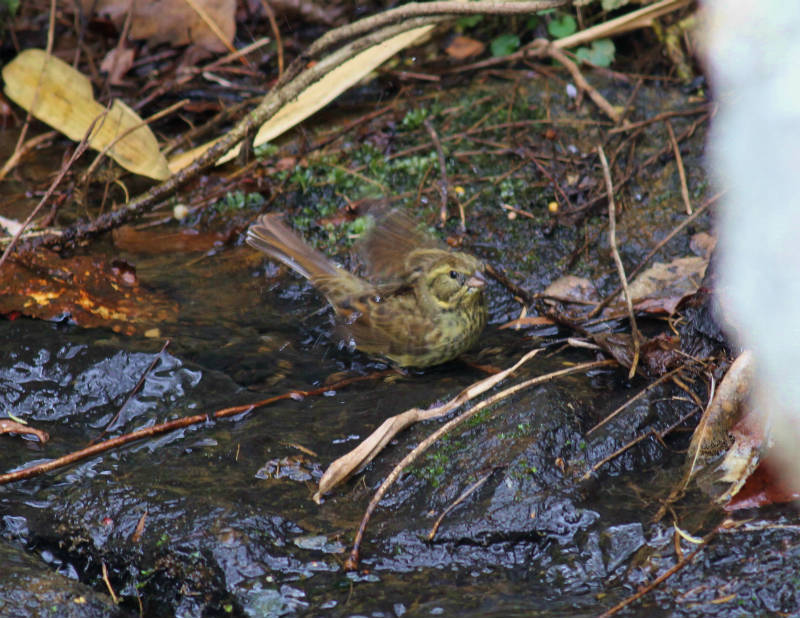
(386, 245)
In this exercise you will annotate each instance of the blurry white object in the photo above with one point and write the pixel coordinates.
(753, 48)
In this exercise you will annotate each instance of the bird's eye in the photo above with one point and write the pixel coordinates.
(453, 274)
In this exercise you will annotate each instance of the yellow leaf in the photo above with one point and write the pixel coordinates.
(61, 97)
(317, 95)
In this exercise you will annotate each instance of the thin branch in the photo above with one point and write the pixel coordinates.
(633, 399)
(602, 304)
(273, 24)
(351, 563)
(661, 578)
(681, 171)
(443, 184)
(464, 495)
(178, 423)
(612, 241)
(556, 53)
(79, 150)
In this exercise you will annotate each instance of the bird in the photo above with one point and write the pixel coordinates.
(419, 303)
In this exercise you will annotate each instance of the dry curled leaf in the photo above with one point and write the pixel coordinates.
(712, 436)
(341, 469)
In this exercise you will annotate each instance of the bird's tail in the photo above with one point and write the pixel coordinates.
(272, 236)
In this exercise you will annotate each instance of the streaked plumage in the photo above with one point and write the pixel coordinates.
(420, 304)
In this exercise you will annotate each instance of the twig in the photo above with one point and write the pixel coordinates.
(602, 304)
(178, 423)
(681, 171)
(413, 9)
(612, 241)
(79, 150)
(369, 447)
(107, 582)
(636, 397)
(512, 287)
(15, 156)
(443, 184)
(464, 495)
(528, 153)
(20, 150)
(8, 425)
(580, 81)
(133, 392)
(212, 25)
(273, 24)
(658, 435)
(351, 563)
(632, 126)
(661, 578)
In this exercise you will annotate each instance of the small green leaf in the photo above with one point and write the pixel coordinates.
(504, 45)
(469, 21)
(601, 53)
(562, 26)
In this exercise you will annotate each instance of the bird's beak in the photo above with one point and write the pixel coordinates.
(477, 280)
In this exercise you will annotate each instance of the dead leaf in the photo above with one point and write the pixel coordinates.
(763, 487)
(703, 244)
(90, 290)
(174, 22)
(463, 47)
(660, 354)
(61, 97)
(572, 289)
(662, 287)
(657, 355)
(116, 63)
(712, 435)
(316, 96)
(744, 455)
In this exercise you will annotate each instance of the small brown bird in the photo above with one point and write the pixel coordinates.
(420, 305)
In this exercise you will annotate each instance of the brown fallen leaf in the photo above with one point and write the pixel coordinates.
(116, 63)
(90, 290)
(9, 426)
(712, 435)
(462, 47)
(657, 355)
(662, 287)
(174, 22)
(571, 289)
